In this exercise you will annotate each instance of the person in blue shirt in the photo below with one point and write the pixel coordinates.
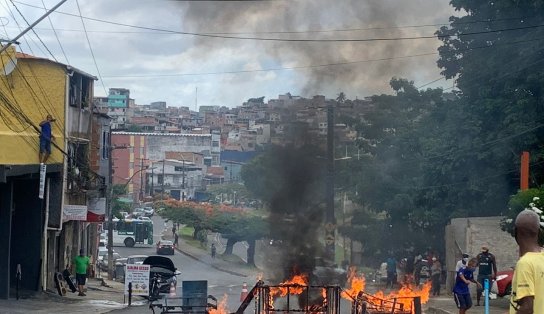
(46, 135)
(391, 272)
(461, 292)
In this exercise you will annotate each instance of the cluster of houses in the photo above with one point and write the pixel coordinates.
(49, 212)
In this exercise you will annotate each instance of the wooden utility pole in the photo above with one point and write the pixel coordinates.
(524, 177)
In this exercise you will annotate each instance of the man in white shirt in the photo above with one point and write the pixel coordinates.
(462, 262)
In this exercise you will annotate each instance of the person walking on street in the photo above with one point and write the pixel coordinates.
(461, 292)
(213, 250)
(176, 238)
(81, 264)
(174, 230)
(46, 135)
(528, 282)
(487, 269)
(436, 272)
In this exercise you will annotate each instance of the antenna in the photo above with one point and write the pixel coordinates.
(196, 99)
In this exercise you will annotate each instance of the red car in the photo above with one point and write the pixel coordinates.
(504, 282)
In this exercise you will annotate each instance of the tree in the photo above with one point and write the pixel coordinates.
(232, 223)
(500, 75)
(529, 199)
(341, 97)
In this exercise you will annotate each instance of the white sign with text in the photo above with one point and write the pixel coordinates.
(138, 275)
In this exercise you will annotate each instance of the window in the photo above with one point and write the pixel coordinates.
(160, 178)
(215, 144)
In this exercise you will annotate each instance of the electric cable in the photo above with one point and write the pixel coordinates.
(56, 35)
(522, 18)
(33, 31)
(196, 34)
(91, 49)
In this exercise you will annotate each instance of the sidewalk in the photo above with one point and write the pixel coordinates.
(446, 305)
(102, 296)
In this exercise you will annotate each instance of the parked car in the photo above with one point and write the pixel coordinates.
(165, 247)
(103, 263)
(143, 218)
(502, 285)
(137, 212)
(149, 211)
(102, 251)
(136, 259)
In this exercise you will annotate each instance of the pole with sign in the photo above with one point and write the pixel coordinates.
(138, 277)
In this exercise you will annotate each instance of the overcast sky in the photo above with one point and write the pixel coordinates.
(158, 63)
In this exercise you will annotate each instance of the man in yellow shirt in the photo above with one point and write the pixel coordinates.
(528, 282)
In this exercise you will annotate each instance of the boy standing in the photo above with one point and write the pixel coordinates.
(461, 292)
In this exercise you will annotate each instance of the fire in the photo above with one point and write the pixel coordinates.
(403, 297)
(298, 280)
(221, 307)
(356, 284)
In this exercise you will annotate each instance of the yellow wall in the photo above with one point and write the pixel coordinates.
(42, 93)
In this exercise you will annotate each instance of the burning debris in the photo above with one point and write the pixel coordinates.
(326, 298)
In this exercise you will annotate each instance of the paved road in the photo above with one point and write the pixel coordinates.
(219, 283)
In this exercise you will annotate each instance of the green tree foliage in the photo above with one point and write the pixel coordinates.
(528, 199)
(234, 224)
(501, 78)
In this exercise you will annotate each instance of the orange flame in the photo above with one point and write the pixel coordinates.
(403, 297)
(356, 284)
(301, 280)
(221, 307)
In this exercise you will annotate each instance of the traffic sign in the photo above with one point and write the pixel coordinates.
(329, 239)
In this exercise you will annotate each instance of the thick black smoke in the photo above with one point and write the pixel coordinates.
(258, 18)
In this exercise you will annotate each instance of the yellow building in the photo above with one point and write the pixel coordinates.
(30, 89)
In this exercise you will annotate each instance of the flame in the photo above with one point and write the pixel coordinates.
(221, 307)
(356, 284)
(403, 297)
(301, 280)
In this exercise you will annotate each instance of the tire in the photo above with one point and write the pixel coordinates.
(129, 242)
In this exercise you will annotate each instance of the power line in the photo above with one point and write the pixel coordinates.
(523, 18)
(33, 31)
(91, 49)
(56, 35)
(317, 65)
(196, 34)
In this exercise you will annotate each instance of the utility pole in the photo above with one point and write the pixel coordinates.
(330, 220)
(163, 177)
(141, 196)
(183, 180)
(109, 201)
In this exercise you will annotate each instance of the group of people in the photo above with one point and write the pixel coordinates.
(465, 267)
(410, 270)
(528, 281)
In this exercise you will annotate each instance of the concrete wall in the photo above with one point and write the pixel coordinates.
(467, 235)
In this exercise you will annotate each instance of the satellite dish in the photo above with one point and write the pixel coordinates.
(8, 61)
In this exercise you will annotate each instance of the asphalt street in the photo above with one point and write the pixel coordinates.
(220, 284)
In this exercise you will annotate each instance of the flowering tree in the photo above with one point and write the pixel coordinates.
(234, 224)
(528, 199)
